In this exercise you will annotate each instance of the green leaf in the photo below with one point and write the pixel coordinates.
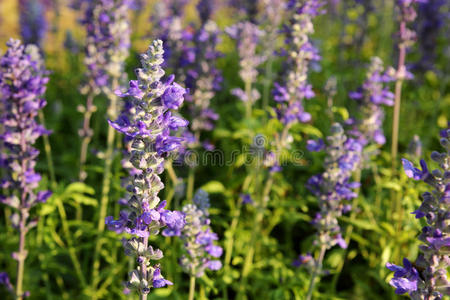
(85, 200)
(213, 187)
(392, 186)
(79, 187)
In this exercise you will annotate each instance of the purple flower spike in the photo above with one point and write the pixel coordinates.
(173, 96)
(107, 43)
(405, 278)
(291, 94)
(147, 124)
(371, 96)
(33, 24)
(315, 146)
(23, 80)
(333, 187)
(429, 279)
(201, 253)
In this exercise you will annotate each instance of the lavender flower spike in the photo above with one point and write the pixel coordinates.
(149, 127)
(22, 83)
(368, 127)
(247, 36)
(33, 24)
(201, 253)
(300, 52)
(203, 80)
(333, 187)
(333, 190)
(427, 278)
(107, 47)
(107, 43)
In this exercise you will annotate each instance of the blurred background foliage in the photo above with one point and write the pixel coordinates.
(59, 261)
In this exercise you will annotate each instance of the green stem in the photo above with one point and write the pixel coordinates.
(348, 233)
(230, 240)
(401, 70)
(190, 184)
(235, 221)
(317, 270)
(267, 82)
(248, 260)
(192, 287)
(21, 254)
(86, 135)
(48, 152)
(106, 185)
(249, 102)
(71, 249)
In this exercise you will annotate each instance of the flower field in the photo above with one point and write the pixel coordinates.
(223, 149)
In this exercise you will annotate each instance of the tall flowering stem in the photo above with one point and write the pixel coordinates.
(107, 47)
(167, 19)
(431, 20)
(246, 9)
(427, 277)
(247, 36)
(203, 80)
(333, 189)
(22, 83)
(149, 128)
(201, 252)
(367, 127)
(33, 23)
(406, 40)
(108, 44)
(272, 17)
(300, 53)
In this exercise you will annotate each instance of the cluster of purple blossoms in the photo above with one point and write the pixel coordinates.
(246, 8)
(430, 22)
(427, 278)
(247, 36)
(333, 187)
(300, 53)
(202, 78)
(271, 18)
(167, 20)
(23, 80)
(407, 36)
(150, 128)
(368, 126)
(107, 43)
(201, 253)
(33, 24)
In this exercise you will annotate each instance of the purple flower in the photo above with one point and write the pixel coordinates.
(148, 125)
(199, 239)
(158, 280)
(429, 280)
(214, 265)
(107, 42)
(413, 172)
(33, 25)
(315, 146)
(173, 96)
(405, 278)
(246, 199)
(247, 36)
(368, 125)
(303, 260)
(295, 89)
(23, 80)
(333, 187)
(4, 280)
